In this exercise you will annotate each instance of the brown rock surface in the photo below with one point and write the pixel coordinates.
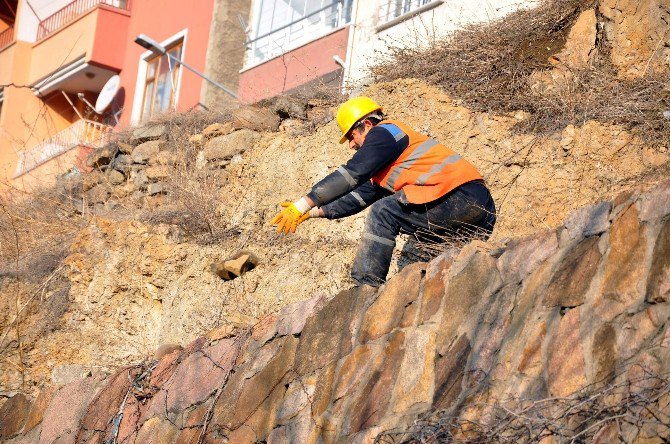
(571, 281)
(14, 414)
(639, 34)
(566, 366)
(388, 308)
(658, 286)
(625, 260)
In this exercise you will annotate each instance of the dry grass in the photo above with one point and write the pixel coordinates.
(489, 68)
(626, 411)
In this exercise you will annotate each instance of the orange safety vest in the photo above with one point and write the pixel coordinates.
(426, 170)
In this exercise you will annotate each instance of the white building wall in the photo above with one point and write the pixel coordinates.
(368, 43)
(32, 12)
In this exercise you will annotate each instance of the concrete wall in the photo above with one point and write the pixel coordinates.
(369, 45)
(225, 51)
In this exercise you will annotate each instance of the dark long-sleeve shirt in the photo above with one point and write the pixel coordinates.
(348, 189)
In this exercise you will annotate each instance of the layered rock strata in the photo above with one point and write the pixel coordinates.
(544, 316)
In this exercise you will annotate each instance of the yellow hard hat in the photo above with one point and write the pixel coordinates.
(352, 111)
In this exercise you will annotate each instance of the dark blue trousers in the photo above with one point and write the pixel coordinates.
(465, 213)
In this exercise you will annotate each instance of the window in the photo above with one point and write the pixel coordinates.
(395, 8)
(282, 25)
(161, 82)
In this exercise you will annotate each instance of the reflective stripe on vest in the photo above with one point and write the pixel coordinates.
(407, 163)
(426, 170)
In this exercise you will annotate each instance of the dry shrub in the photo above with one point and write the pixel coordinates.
(489, 66)
(36, 230)
(191, 195)
(635, 409)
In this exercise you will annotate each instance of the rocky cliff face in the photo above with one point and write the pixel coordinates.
(569, 309)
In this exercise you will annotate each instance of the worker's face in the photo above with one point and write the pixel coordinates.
(357, 136)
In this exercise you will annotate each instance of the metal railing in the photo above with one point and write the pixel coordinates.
(395, 8)
(81, 133)
(71, 12)
(283, 38)
(6, 37)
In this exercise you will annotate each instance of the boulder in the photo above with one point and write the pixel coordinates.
(156, 173)
(216, 130)
(287, 106)
(155, 188)
(122, 163)
(144, 151)
(13, 415)
(114, 177)
(255, 118)
(225, 147)
(102, 156)
(148, 132)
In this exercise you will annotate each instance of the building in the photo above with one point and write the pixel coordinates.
(296, 45)
(56, 56)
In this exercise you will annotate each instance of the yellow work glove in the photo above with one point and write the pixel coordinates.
(289, 218)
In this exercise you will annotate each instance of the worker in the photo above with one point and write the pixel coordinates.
(413, 184)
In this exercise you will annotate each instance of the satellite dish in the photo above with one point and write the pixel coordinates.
(107, 94)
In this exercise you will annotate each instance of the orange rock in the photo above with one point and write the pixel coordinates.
(566, 371)
(624, 265)
(387, 310)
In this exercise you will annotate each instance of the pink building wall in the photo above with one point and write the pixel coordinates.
(294, 68)
(160, 20)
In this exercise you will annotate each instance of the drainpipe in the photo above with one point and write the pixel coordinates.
(350, 45)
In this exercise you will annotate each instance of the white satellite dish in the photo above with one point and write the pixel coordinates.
(107, 94)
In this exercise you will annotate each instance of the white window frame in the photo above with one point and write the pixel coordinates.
(142, 74)
(251, 61)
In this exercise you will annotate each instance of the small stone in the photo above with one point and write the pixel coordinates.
(166, 158)
(125, 147)
(102, 156)
(149, 132)
(122, 163)
(140, 179)
(155, 173)
(97, 195)
(225, 147)
(287, 106)
(115, 177)
(91, 180)
(144, 151)
(197, 139)
(155, 188)
(216, 130)
(255, 118)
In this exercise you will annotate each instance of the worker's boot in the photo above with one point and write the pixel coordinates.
(373, 260)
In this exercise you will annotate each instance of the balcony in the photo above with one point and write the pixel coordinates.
(73, 11)
(6, 38)
(84, 45)
(81, 133)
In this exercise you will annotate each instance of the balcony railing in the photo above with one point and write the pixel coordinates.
(395, 8)
(285, 37)
(71, 12)
(6, 37)
(81, 133)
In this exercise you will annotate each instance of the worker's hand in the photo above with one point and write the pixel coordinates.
(289, 218)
